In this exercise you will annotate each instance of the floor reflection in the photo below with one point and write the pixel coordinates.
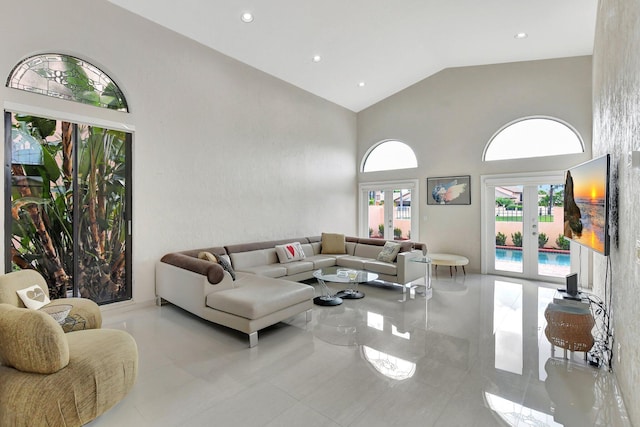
(473, 354)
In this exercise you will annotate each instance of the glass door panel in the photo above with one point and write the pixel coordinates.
(553, 249)
(102, 222)
(67, 200)
(375, 214)
(402, 214)
(508, 228)
(386, 210)
(39, 233)
(527, 224)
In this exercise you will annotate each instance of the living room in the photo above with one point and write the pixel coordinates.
(224, 153)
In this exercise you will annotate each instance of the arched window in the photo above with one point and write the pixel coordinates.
(67, 77)
(533, 137)
(389, 155)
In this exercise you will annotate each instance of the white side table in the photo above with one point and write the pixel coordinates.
(451, 260)
(427, 273)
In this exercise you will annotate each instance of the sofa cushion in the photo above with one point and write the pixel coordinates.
(367, 251)
(256, 297)
(352, 262)
(298, 267)
(290, 252)
(269, 270)
(389, 252)
(320, 261)
(242, 260)
(381, 267)
(33, 297)
(333, 243)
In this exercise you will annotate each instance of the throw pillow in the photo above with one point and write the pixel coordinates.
(389, 252)
(33, 297)
(333, 243)
(290, 252)
(207, 256)
(226, 265)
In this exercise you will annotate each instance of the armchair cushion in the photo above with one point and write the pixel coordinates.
(32, 341)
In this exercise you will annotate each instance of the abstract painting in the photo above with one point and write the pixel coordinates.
(449, 190)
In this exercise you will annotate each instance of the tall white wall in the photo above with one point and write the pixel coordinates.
(616, 130)
(448, 119)
(223, 153)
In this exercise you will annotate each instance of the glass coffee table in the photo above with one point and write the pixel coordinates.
(341, 275)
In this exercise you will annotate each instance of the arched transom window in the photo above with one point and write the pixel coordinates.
(389, 155)
(67, 77)
(533, 137)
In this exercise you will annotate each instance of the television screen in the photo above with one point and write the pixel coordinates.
(586, 204)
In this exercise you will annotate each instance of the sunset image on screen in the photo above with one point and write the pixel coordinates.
(589, 182)
(586, 204)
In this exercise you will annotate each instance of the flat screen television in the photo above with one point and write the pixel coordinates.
(586, 204)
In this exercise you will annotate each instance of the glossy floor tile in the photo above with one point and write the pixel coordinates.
(473, 354)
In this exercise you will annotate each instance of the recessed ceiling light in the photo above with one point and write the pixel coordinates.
(361, 84)
(521, 36)
(316, 58)
(247, 17)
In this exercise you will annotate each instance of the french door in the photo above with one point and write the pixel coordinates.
(389, 210)
(523, 220)
(68, 206)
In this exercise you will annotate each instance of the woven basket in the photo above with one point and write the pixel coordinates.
(571, 331)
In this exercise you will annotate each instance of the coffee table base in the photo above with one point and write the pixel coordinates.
(350, 294)
(327, 301)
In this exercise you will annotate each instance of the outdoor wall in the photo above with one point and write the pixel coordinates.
(448, 118)
(223, 153)
(616, 124)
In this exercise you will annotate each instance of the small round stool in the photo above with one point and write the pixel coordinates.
(449, 259)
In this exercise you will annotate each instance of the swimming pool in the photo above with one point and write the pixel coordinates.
(549, 258)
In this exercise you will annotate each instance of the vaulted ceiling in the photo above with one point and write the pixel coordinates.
(368, 50)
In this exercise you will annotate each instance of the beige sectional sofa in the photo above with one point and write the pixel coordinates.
(265, 291)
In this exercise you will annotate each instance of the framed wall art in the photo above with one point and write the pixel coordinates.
(449, 190)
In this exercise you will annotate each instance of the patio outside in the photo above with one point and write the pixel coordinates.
(553, 247)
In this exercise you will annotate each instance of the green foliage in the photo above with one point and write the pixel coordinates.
(542, 240)
(517, 239)
(562, 242)
(503, 201)
(43, 214)
(381, 229)
(501, 239)
(558, 198)
(370, 231)
(397, 232)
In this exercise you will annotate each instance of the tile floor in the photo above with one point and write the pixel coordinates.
(474, 354)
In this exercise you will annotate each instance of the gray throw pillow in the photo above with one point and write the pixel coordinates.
(389, 252)
(226, 265)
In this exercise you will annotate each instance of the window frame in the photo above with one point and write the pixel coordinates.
(535, 117)
(377, 145)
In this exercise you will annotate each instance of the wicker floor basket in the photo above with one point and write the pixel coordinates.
(569, 330)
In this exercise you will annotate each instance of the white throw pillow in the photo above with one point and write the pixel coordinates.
(290, 252)
(33, 297)
(389, 252)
